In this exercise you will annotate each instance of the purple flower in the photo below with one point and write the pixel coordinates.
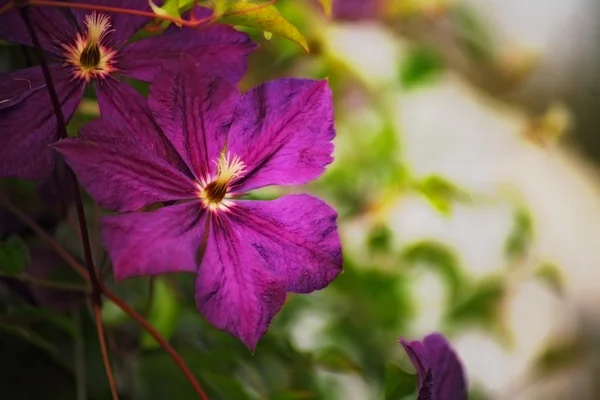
(202, 145)
(357, 9)
(92, 46)
(439, 370)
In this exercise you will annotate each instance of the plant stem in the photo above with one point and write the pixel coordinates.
(89, 261)
(192, 23)
(105, 359)
(126, 308)
(67, 287)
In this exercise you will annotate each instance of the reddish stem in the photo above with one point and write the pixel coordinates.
(72, 262)
(105, 358)
(193, 23)
(157, 336)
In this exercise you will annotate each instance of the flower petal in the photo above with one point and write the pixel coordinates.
(125, 107)
(440, 372)
(234, 291)
(218, 50)
(118, 172)
(123, 25)
(16, 86)
(296, 237)
(51, 24)
(153, 243)
(282, 130)
(194, 113)
(28, 124)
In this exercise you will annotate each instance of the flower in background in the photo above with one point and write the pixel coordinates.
(439, 371)
(357, 9)
(92, 46)
(202, 145)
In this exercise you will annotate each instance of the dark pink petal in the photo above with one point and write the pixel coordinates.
(234, 291)
(218, 49)
(17, 86)
(50, 23)
(28, 124)
(357, 9)
(296, 237)
(194, 113)
(123, 25)
(118, 172)
(157, 242)
(125, 107)
(440, 373)
(282, 130)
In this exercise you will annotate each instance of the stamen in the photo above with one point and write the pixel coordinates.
(90, 56)
(215, 192)
(98, 25)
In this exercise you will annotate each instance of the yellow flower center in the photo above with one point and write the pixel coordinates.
(215, 193)
(90, 57)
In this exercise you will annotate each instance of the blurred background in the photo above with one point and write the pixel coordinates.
(466, 182)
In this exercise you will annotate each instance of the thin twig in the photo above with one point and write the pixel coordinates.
(72, 262)
(67, 287)
(79, 356)
(96, 297)
(192, 23)
(105, 358)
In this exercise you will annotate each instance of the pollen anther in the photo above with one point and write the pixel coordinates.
(89, 55)
(215, 192)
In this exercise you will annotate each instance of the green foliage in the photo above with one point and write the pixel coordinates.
(521, 236)
(327, 6)
(399, 384)
(480, 305)
(552, 276)
(14, 256)
(422, 64)
(441, 259)
(440, 193)
(162, 313)
(267, 19)
(473, 33)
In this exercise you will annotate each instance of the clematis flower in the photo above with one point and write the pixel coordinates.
(439, 370)
(202, 145)
(353, 10)
(90, 46)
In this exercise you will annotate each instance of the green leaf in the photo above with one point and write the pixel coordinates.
(398, 383)
(327, 6)
(380, 238)
(28, 335)
(440, 193)
(481, 305)
(113, 315)
(14, 255)
(421, 65)
(521, 236)
(169, 7)
(31, 314)
(473, 33)
(558, 355)
(552, 275)
(441, 258)
(226, 386)
(336, 360)
(163, 313)
(267, 19)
